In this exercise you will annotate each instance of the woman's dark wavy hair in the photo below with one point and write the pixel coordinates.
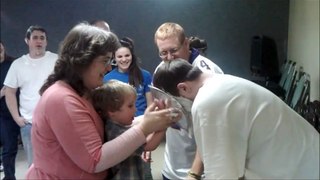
(77, 51)
(170, 73)
(135, 72)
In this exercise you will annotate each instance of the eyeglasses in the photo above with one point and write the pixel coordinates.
(164, 54)
(106, 62)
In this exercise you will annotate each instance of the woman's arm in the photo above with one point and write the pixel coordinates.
(120, 148)
(78, 131)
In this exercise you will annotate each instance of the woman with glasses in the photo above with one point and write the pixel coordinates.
(67, 133)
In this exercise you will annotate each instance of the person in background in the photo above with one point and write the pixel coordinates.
(129, 71)
(67, 132)
(101, 24)
(9, 130)
(28, 74)
(198, 44)
(172, 43)
(242, 130)
(115, 103)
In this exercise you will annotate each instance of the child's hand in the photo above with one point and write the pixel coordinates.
(160, 104)
(157, 120)
(146, 156)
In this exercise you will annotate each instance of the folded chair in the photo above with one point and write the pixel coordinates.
(300, 92)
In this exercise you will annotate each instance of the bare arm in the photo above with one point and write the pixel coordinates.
(197, 166)
(118, 149)
(12, 104)
(2, 91)
(153, 140)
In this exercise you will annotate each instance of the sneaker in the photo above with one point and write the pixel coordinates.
(1, 168)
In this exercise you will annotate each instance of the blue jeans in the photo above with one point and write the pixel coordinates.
(26, 141)
(9, 132)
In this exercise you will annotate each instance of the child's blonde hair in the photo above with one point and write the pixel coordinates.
(111, 96)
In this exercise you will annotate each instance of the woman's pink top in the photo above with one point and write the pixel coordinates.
(67, 136)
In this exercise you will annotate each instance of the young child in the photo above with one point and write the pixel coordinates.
(115, 103)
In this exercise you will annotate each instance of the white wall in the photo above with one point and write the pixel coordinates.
(303, 40)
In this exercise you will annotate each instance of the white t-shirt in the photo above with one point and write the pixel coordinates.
(242, 129)
(180, 147)
(206, 65)
(29, 75)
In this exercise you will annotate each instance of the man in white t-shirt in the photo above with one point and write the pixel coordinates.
(28, 73)
(242, 130)
(180, 150)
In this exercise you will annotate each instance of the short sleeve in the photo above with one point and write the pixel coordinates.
(11, 79)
